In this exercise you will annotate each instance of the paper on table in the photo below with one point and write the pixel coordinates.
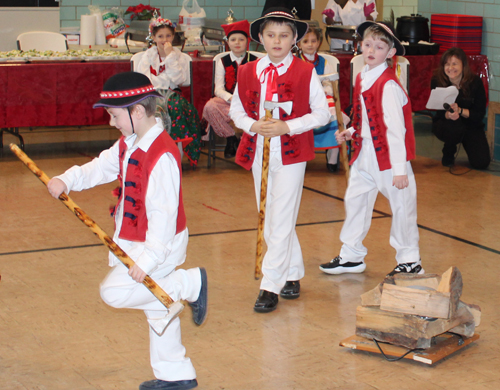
(439, 96)
(100, 35)
(87, 30)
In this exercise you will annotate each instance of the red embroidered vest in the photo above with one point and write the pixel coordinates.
(294, 85)
(231, 70)
(135, 186)
(378, 128)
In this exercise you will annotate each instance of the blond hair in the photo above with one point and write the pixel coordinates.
(380, 33)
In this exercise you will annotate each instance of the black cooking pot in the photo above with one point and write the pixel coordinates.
(413, 28)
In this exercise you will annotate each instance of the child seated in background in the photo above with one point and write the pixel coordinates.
(324, 137)
(167, 68)
(216, 111)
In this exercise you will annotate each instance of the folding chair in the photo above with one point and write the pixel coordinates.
(135, 59)
(42, 41)
(213, 146)
(403, 72)
(332, 60)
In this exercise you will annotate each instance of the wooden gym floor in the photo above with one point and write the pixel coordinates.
(57, 334)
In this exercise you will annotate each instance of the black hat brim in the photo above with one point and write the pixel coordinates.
(277, 12)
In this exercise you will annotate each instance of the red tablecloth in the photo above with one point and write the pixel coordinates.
(421, 69)
(62, 93)
(54, 94)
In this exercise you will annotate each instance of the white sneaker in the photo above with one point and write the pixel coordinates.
(407, 268)
(334, 267)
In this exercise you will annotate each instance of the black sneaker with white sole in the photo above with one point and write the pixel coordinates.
(335, 267)
(407, 268)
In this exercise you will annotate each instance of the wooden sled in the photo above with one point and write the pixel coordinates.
(445, 345)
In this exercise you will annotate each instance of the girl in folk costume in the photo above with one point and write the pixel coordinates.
(216, 111)
(324, 136)
(167, 68)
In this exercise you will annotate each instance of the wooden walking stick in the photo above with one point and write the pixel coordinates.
(340, 120)
(269, 106)
(174, 308)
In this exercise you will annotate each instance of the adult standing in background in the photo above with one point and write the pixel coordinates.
(465, 124)
(353, 13)
(303, 7)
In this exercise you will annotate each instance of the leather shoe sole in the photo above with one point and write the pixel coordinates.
(266, 302)
(200, 306)
(291, 290)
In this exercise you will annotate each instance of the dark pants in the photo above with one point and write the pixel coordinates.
(473, 139)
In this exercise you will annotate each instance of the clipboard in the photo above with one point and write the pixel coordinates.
(439, 96)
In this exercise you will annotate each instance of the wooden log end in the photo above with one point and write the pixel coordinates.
(394, 338)
(372, 297)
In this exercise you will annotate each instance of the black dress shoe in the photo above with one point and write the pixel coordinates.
(332, 167)
(200, 306)
(231, 146)
(291, 290)
(448, 161)
(266, 302)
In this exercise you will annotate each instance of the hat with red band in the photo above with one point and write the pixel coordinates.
(278, 12)
(126, 89)
(241, 27)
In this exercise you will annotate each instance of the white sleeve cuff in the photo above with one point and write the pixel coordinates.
(399, 169)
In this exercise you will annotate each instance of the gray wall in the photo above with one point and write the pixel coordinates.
(71, 10)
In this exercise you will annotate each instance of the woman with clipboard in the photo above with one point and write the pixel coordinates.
(461, 121)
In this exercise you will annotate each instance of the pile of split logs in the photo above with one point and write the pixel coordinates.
(409, 310)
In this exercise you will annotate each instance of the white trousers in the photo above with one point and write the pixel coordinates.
(365, 181)
(119, 290)
(283, 260)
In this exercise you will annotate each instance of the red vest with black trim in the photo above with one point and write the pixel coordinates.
(231, 70)
(378, 128)
(293, 85)
(135, 187)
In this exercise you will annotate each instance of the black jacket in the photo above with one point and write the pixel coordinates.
(475, 102)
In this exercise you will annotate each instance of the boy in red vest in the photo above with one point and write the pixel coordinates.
(279, 77)
(383, 145)
(150, 223)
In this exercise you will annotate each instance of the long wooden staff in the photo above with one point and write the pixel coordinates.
(157, 291)
(263, 198)
(340, 120)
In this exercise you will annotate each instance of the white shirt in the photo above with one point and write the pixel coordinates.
(319, 115)
(162, 199)
(176, 68)
(220, 77)
(351, 15)
(393, 100)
